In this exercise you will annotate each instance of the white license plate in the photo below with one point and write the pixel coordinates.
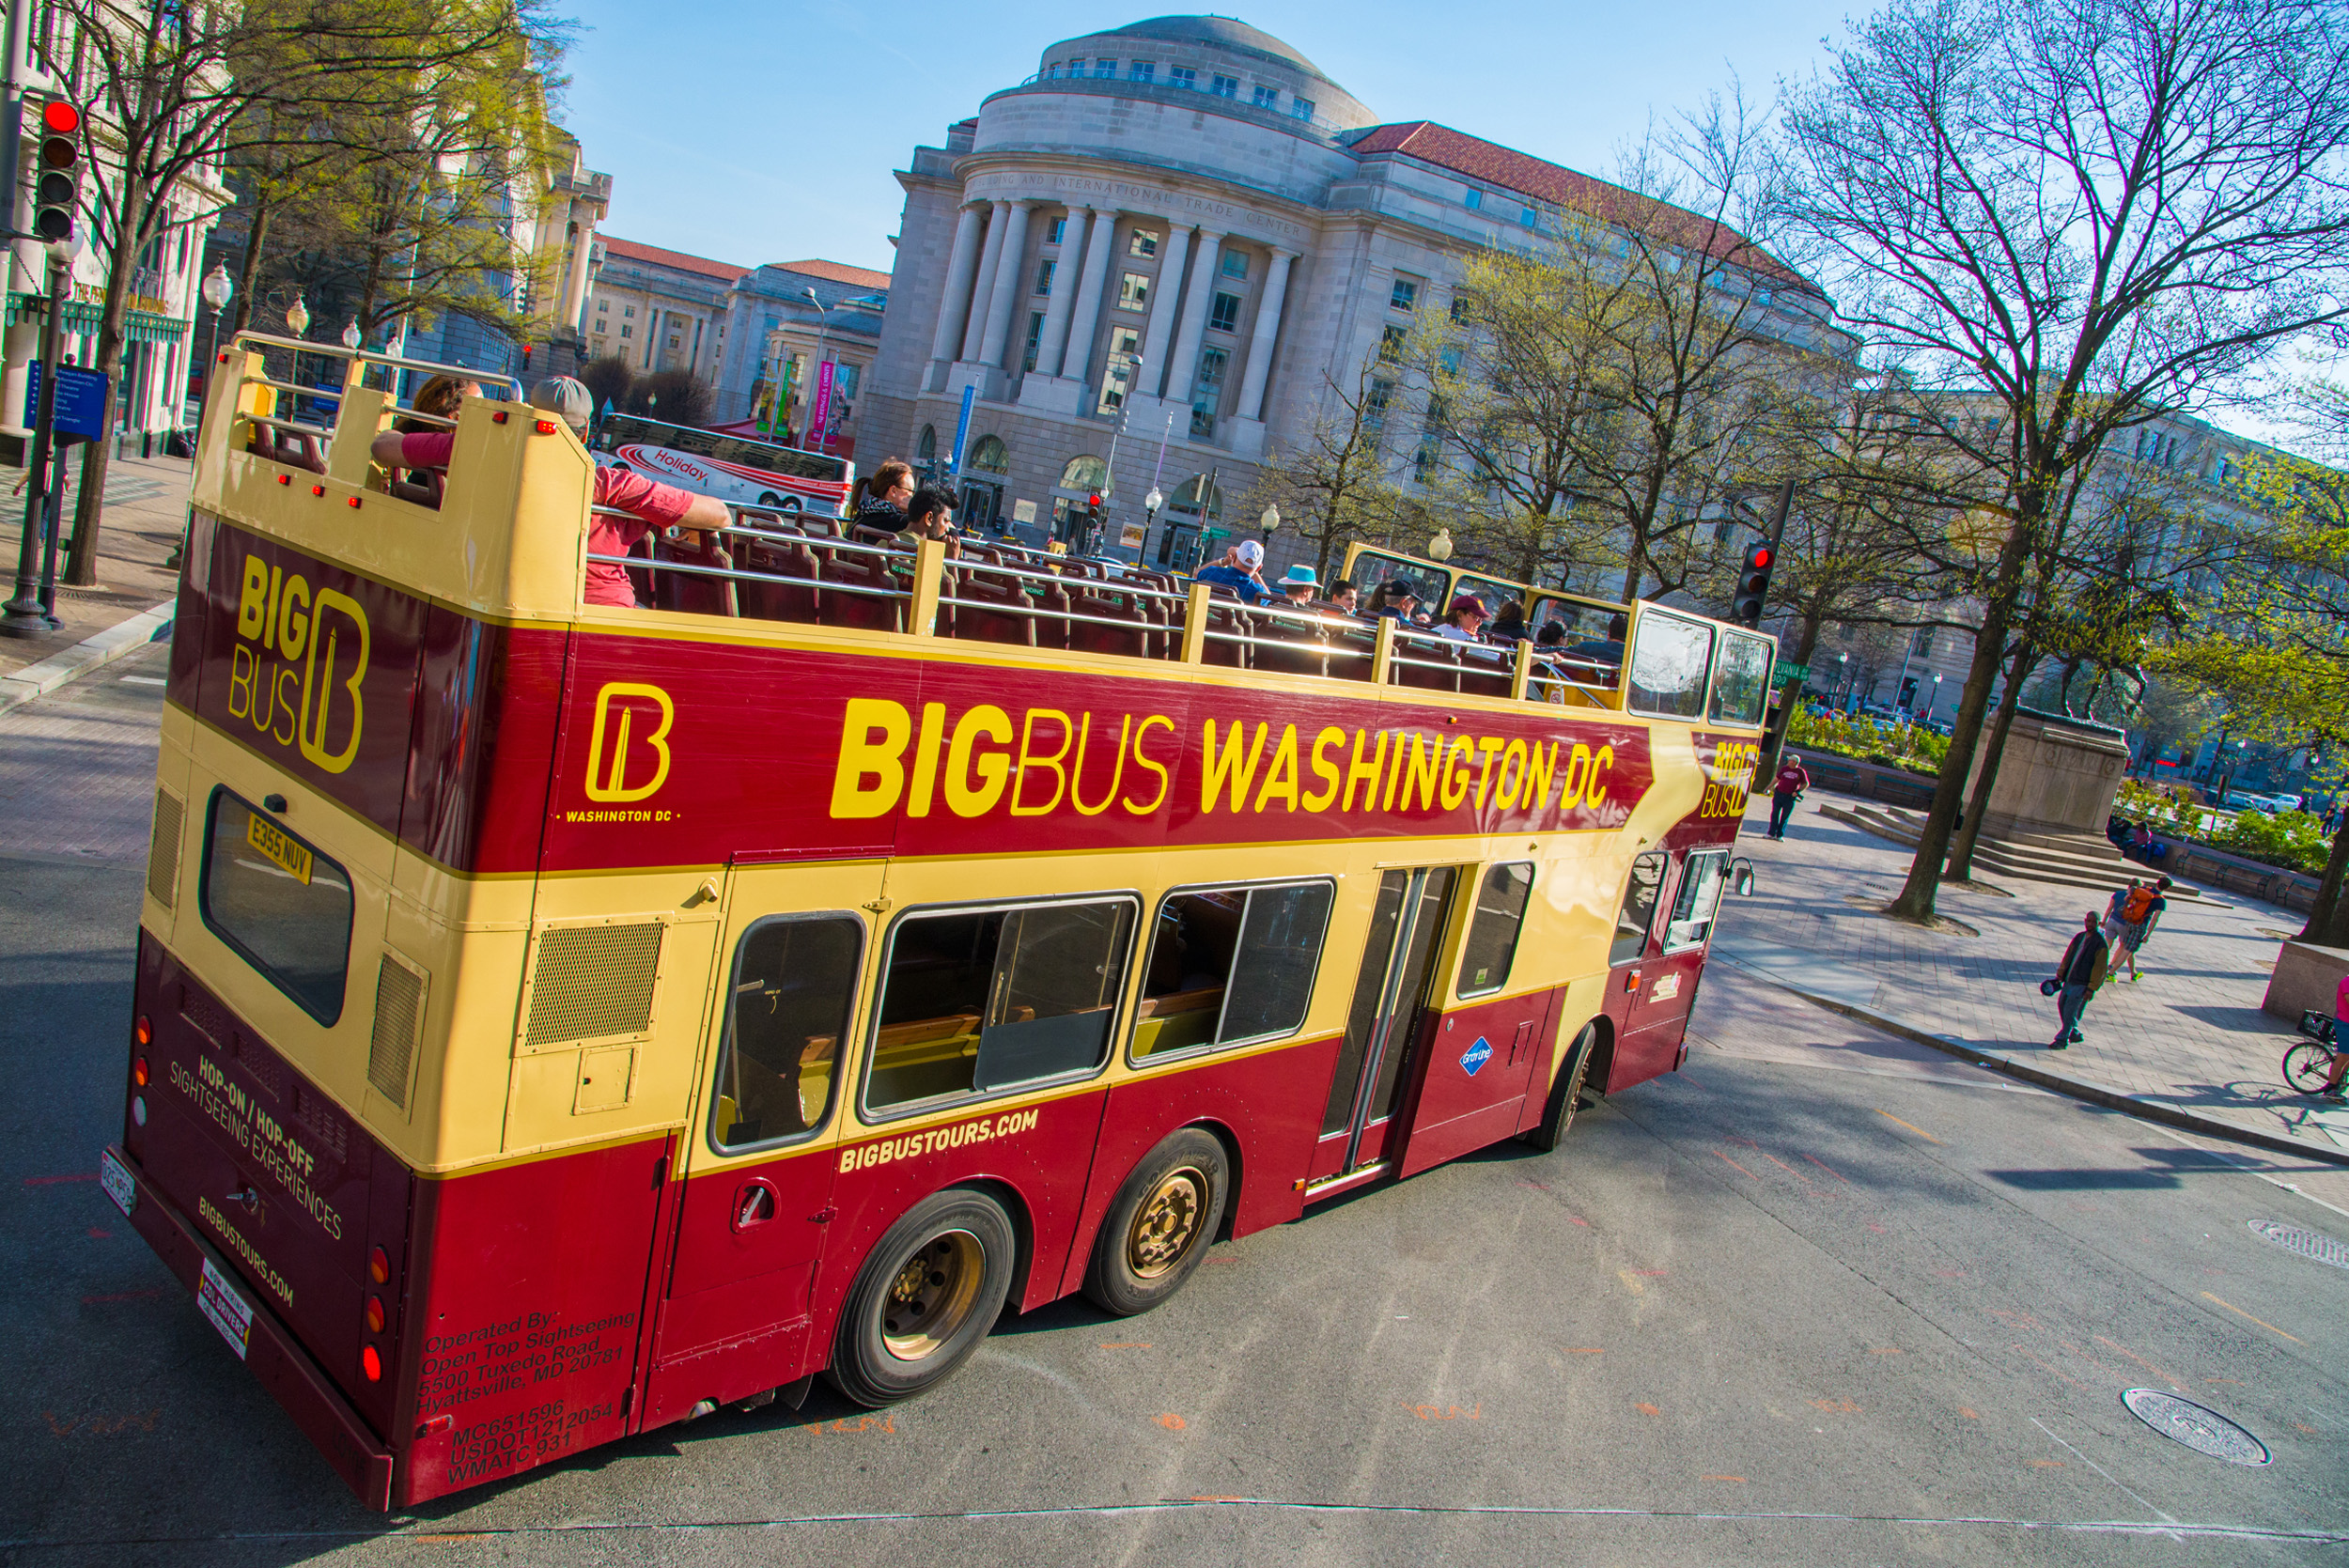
(230, 1313)
(116, 1178)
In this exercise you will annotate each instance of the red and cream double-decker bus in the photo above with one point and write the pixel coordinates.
(554, 1021)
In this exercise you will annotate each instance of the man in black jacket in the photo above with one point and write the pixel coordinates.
(2080, 973)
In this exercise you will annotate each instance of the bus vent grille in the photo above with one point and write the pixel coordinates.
(398, 1014)
(162, 856)
(593, 982)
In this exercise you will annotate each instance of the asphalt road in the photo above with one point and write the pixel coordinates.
(1824, 1298)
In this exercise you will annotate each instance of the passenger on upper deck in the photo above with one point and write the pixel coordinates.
(438, 397)
(1237, 571)
(930, 515)
(1297, 586)
(1394, 600)
(1509, 626)
(1609, 649)
(1342, 598)
(648, 503)
(881, 495)
(1464, 621)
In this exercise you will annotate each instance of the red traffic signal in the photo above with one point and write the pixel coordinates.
(1753, 585)
(60, 118)
(58, 189)
(1759, 558)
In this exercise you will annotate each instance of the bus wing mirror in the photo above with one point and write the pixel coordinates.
(1741, 876)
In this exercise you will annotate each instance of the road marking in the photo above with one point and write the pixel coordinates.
(1631, 1281)
(1735, 1165)
(2262, 1321)
(1127, 1344)
(2141, 1361)
(1886, 1350)
(1828, 1168)
(1738, 1479)
(1911, 1127)
(1584, 1350)
(2048, 1463)
(1171, 1421)
(1646, 1409)
(51, 1181)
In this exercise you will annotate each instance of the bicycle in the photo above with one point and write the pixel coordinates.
(2309, 1065)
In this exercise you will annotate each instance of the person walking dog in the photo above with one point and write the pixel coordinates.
(2077, 975)
(1787, 788)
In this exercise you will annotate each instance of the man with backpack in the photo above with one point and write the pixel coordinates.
(2078, 975)
(2129, 920)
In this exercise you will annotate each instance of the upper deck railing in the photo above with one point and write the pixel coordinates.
(506, 536)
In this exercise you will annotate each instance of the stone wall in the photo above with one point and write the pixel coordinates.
(2058, 776)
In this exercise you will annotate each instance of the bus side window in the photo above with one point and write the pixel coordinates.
(1638, 909)
(1492, 939)
(979, 999)
(794, 984)
(1700, 883)
(1229, 965)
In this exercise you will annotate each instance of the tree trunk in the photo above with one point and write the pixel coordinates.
(2328, 917)
(1915, 900)
(249, 271)
(81, 565)
(1961, 866)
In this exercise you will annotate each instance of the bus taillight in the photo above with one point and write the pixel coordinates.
(379, 1265)
(372, 1364)
(375, 1314)
(138, 1071)
(144, 1032)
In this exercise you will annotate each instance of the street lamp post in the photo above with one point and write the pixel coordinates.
(219, 289)
(823, 322)
(1439, 548)
(1843, 675)
(1935, 698)
(28, 614)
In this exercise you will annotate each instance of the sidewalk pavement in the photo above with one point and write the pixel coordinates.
(131, 604)
(2187, 1045)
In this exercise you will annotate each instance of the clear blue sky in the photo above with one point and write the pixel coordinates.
(758, 133)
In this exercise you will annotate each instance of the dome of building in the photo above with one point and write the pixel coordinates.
(1218, 32)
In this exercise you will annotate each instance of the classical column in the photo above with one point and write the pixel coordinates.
(1252, 386)
(1063, 293)
(575, 278)
(1009, 283)
(1076, 361)
(977, 329)
(954, 305)
(1194, 319)
(1162, 302)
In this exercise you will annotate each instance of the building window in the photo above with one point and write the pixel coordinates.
(1084, 474)
(603, 304)
(1133, 293)
(1142, 71)
(1405, 295)
(628, 331)
(1473, 200)
(1057, 232)
(1234, 264)
(1526, 216)
(672, 340)
(1268, 97)
(1300, 108)
(1104, 69)
(1225, 86)
(1206, 392)
(927, 448)
(1051, 73)
(1375, 404)
(991, 455)
(1182, 76)
(1036, 340)
(1044, 276)
(1391, 342)
(1225, 316)
(1118, 374)
(628, 311)
(1143, 241)
(1462, 306)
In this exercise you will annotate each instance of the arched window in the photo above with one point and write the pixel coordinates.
(927, 448)
(1187, 499)
(1084, 474)
(992, 457)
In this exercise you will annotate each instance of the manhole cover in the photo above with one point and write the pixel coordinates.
(2182, 1421)
(2324, 1248)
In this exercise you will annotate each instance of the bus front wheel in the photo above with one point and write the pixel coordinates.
(1559, 1114)
(926, 1297)
(1164, 1219)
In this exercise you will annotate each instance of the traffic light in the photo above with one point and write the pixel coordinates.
(57, 194)
(1753, 585)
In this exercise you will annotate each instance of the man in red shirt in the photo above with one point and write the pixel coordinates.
(648, 503)
(1792, 780)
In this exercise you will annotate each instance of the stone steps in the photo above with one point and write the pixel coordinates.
(2049, 860)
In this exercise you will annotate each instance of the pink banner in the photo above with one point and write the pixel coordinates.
(822, 415)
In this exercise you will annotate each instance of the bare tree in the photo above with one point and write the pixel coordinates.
(2090, 211)
(1333, 486)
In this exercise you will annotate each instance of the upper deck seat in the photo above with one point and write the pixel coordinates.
(1113, 623)
(1225, 623)
(294, 448)
(880, 606)
(1421, 654)
(996, 607)
(1351, 649)
(781, 556)
(425, 488)
(693, 592)
(1486, 672)
(1292, 646)
(864, 534)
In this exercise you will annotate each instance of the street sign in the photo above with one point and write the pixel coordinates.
(1790, 675)
(80, 410)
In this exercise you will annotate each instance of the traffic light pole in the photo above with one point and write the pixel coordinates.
(1778, 705)
(27, 614)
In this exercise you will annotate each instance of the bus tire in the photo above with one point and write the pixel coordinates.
(1160, 1227)
(769, 498)
(1563, 1099)
(929, 1292)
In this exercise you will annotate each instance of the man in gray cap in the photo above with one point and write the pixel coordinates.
(648, 503)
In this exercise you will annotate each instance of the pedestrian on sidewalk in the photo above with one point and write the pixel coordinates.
(2331, 1093)
(2076, 977)
(2133, 912)
(1787, 788)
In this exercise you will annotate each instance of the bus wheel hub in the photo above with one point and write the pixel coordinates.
(1167, 1224)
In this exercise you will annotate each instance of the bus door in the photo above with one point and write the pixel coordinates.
(761, 1156)
(1656, 962)
(1387, 1026)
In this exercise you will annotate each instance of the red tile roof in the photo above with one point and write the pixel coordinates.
(1493, 163)
(630, 250)
(838, 271)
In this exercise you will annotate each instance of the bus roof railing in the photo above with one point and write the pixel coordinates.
(369, 356)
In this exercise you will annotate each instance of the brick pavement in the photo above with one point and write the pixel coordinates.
(2189, 1036)
(146, 509)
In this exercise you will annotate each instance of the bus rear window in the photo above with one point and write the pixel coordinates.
(1231, 964)
(284, 906)
(794, 982)
(980, 999)
(1669, 660)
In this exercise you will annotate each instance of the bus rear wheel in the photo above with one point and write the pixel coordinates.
(1162, 1223)
(926, 1297)
(1559, 1114)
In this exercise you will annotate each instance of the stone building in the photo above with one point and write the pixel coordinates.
(786, 321)
(1179, 233)
(659, 309)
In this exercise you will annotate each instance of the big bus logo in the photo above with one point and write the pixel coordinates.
(618, 742)
(295, 668)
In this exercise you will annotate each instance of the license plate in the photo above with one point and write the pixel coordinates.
(116, 1178)
(230, 1311)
